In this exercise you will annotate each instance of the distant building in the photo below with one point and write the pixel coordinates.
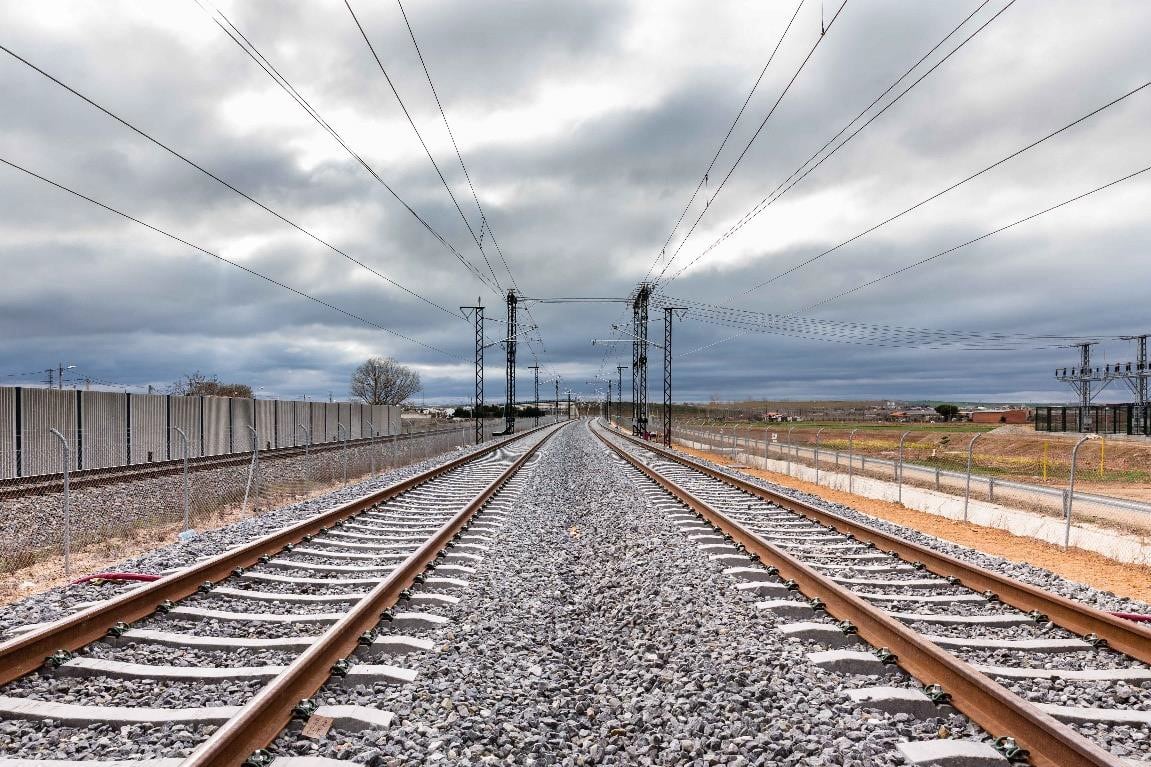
(915, 415)
(1001, 415)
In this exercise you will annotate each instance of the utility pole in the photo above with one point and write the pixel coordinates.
(569, 405)
(557, 411)
(668, 315)
(639, 359)
(607, 407)
(478, 401)
(536, 390)
(510, 406)
(619, 389)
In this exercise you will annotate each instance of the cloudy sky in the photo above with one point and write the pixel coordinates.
(585, 127)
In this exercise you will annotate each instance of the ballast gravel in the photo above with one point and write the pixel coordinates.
(190, 657)
(594, 632)
(1036, 576)
(58, 602)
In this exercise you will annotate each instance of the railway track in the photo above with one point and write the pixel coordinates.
(265, 626)
(1054, 681)
(39, 484)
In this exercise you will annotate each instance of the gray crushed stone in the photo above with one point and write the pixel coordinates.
(597, 634)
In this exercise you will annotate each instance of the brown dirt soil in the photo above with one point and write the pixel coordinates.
(1133, 581)
(94, 558)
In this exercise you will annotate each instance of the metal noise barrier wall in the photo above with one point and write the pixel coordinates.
(108, 429)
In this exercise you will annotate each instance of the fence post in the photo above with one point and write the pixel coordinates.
(991, 489)
(371, 440)
(937, 478)
(899, 481)
(308, 434)
(67, 507)
(1071, 487)
(252, 468)
(967, 488)
(817, 433)
(788, 451)
(341, 429)
(187, 487)
(851, 461)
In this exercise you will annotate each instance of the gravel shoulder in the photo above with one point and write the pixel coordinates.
(1078, 574)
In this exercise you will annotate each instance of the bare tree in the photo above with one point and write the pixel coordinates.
(381, 381)
(198, 384)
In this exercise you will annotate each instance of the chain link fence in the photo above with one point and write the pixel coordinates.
(1100, 481)
(73, 517)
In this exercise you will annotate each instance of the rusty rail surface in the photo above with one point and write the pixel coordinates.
(992, 706)
(27, 652)
(1125, 636)
(262, 718)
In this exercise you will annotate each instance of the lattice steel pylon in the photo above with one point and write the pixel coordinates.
(668, 315)
(510, 407)
(639, 359)
(478, 402)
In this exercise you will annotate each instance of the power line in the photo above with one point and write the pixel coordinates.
(218, 257)
(947, 189)
(747, 147)
(254, 53)
(791, 181)
(485, 222)
(427, 151)
(140, 132)
(866, 334)
(703, 179)
(943, 253)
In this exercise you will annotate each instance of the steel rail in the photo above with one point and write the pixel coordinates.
(992, 706)
(27, 652)
(262, 718)
(1125, 636)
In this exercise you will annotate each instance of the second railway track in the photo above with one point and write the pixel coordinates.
(266, 625)
(1058, 682)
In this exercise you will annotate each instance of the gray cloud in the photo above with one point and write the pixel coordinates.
(585, 127)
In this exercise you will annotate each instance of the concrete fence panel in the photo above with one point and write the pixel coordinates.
(42, 411)
(266, 419)
(103, 439)
(8, 446)
(186, 416)
(147, 431)
(216, 425)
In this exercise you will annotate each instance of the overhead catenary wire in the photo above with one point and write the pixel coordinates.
(741, 317)
(948, 251)
(222, 259)
(731, 129)
(747, 147)
(803, 171)
(419, 136)
(947, 189)
(484, 221)
(983, 236)
(156, 142)
(284, 84)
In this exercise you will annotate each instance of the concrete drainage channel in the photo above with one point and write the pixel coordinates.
(335, 604)
(1083, 700)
